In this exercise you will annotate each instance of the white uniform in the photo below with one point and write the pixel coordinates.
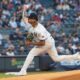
(40, 33)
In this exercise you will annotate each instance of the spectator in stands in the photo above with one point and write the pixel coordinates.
(64, 39)
(78, 16)
(54, 34)
(70, 49)
(18, 15)
(73, 3)
(56, 25)
(3, 52)
(1, 38)
(5, 23)
(63, 6)
(12, 9)
(74, 48)
(10, 52)
(37, 6)
(78, 47)
(13, 36)
(21, 51)
(6, 12)
(10, 6)
(13, 23)
(70, 37)
(75, 38)
(47, 15)
(1, 23)
(9, 44)
(10, 48)
(41, 17)
(20, 36)
(61, 49)
(4, 4)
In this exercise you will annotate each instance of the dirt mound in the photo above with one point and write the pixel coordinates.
(66, 75)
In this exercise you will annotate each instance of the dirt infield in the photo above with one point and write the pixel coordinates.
(67, 75)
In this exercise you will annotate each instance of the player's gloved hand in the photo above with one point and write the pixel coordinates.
(30, 37)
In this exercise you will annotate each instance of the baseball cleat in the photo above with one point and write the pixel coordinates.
(16, 73)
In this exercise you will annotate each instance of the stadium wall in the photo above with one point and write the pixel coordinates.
(14, 63)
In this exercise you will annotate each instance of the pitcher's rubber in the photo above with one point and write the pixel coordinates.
(66, 75)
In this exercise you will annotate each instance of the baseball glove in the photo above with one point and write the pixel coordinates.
(30, 37)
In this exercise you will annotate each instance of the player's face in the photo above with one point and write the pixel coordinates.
(33, 22)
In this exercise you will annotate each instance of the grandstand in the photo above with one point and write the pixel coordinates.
(63, 23)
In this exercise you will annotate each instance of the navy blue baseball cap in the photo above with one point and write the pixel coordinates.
(33, 16)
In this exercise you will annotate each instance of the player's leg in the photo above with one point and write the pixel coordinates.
(54, 55)
(29, 59)
(34, 52)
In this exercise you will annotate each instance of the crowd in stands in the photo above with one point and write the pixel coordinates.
(61, 18)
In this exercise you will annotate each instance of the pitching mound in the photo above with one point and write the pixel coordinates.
(66, 75)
